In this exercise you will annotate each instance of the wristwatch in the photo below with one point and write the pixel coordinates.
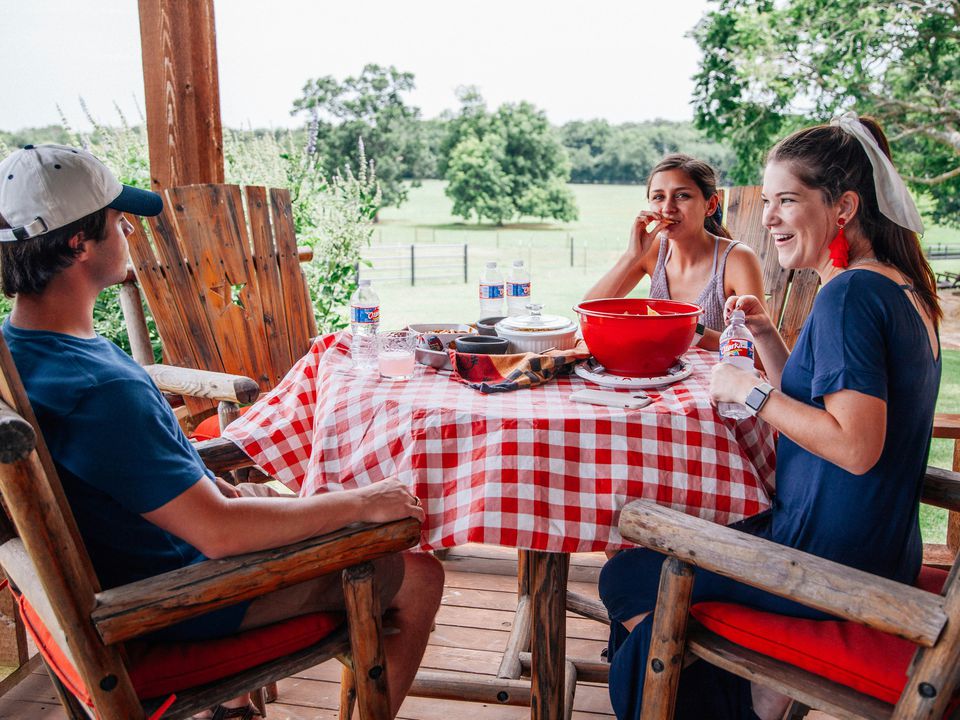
(698, 334)
(758, 397)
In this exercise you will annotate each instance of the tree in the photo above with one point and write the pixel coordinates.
(604, 153)
(476, 181)
(369, 106)
(506, 164)
(770, 67)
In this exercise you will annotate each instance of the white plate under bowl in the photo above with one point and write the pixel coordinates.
(594, 372)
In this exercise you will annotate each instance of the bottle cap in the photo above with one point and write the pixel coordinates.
(491, 263)
(737, 315)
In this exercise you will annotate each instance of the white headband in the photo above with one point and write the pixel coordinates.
(892, 195)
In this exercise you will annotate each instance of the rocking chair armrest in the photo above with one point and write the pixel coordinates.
(142, 607)
(816, 582)
(946, 425)
(222, 455)
(941, 488)
(222, 387)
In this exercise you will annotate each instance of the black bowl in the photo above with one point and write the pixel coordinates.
(481, 345)
(485, 326)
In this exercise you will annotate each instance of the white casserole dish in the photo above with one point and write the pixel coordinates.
(538, 333)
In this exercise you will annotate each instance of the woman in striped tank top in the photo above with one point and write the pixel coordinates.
(682, 245)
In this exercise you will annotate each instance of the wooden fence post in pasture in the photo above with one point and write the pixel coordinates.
(570, 242)
(413, 265)
(464, 263)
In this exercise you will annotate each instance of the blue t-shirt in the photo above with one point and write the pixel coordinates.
(119, 452)
(863, 334)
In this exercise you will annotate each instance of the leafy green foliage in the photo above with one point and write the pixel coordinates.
(370, 107)
(506, 164)
(771, 67)
(604, 153)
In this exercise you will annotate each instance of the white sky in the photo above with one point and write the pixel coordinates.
(623, 60)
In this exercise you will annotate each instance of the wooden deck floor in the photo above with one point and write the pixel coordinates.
(472, 629)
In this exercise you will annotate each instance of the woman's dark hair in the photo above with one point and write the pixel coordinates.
(831, 160)
(703, 177)
(28, 266)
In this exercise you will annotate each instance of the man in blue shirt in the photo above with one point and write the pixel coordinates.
(143, 500)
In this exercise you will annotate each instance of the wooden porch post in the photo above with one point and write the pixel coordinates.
(182, 92)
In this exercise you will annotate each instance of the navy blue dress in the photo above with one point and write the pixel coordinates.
(863, 334)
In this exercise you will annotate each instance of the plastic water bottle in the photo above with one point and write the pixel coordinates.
(491, 292)
(364, 322)
(518, 289)
(736, 348)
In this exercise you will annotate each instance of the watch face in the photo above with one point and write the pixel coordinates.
(757, 397)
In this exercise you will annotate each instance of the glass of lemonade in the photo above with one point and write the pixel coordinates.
(396, 354)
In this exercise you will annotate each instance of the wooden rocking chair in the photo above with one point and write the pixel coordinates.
(220, 271)
(93, 639)
(775, 651)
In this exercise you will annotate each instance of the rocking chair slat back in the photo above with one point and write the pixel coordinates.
(219, 270)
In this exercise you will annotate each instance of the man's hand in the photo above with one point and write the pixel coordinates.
(226, 489)
(388, 500)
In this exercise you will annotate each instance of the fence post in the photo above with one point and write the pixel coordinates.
(570, 238)
(464, 263)
(413, 273)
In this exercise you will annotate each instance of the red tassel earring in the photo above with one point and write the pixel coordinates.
(839, 247)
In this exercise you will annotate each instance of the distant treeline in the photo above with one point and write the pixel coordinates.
(599, 152)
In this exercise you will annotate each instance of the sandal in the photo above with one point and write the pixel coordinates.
(247, 712)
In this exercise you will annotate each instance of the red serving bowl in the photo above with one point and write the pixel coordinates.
(627, 341)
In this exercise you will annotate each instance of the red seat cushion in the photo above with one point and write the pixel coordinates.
(161, 668)
(210, 428)
(859, 657)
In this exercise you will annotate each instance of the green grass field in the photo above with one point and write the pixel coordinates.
(559, 277)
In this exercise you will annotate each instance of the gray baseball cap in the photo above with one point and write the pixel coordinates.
(45, 187)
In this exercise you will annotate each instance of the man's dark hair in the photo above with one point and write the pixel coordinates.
(27, 266)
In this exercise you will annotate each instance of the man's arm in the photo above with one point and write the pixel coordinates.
(220, 527)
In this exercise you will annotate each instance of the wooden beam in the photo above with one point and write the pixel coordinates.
(182, 93)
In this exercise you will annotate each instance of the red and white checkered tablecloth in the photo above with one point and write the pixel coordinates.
(528, 468)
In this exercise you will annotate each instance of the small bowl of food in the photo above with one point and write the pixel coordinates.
(481, 345)
(435, 340)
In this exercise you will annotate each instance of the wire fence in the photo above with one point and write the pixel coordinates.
(424, 258)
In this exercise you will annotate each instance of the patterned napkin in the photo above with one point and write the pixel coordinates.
(503, 373)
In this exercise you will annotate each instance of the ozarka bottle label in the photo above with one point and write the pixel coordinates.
(364, 315)
(491, 292)
(518, 290)
(736, 347)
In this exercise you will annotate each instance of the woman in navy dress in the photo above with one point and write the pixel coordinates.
(853, 403)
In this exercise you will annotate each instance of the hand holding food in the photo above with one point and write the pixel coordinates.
(640, 238)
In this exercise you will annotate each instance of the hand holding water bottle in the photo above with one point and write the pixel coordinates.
(736, 349)
(754, 310)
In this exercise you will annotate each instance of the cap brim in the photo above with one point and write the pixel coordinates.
(138, 202)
